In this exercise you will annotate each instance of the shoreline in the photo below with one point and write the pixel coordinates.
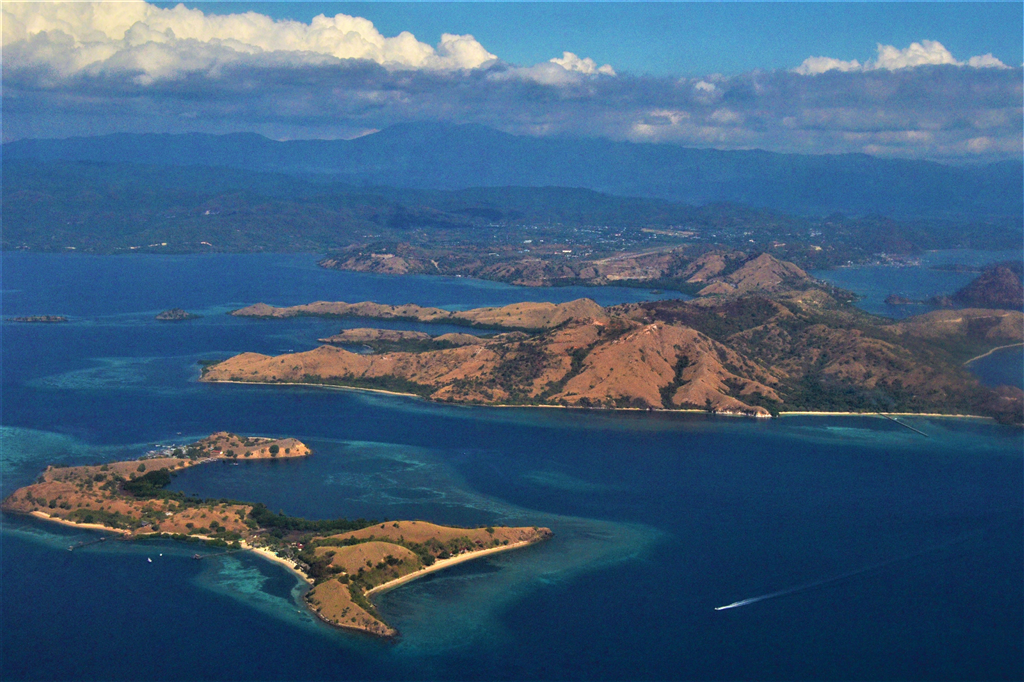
(72, 524)
(659, 410)
(988, 353)
(302, 383)
(273, 558)
(259, 551)
(886, 414)
(442, 564)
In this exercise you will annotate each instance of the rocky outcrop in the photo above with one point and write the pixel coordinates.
(39, 319)
(176, 315)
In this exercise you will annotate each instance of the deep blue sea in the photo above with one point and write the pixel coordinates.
(868, 551)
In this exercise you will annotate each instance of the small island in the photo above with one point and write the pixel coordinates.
(39, 319)
(344, 561)
(176, 315)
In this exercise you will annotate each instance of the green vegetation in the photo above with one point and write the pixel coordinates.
(150, 485)
(265, 518)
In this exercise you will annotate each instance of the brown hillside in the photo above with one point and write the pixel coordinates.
(763, 273)
(995, 325)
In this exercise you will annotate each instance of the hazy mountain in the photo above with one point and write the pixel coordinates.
(107, 206)
(437, 156)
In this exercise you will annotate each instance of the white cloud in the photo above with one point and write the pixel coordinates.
(72, 38)
(986, 61)
(926, 52)
(567, 70)
(588, 66)
(813, 65)
(890, 58)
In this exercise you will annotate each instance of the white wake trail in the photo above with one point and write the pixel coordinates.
(851, 574)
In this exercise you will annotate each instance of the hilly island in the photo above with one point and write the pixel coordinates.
(343, 561)
(761, 340)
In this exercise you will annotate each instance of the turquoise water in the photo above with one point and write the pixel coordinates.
(900, 554)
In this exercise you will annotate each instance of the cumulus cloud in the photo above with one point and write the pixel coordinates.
(569, 70)
(571, 62)
(155, 43)
(80, 69)
(924, 53)
(813, 65)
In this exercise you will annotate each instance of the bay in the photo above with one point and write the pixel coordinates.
(899, 555)
(928, 276)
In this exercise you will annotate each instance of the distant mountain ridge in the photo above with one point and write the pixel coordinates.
(441, 156)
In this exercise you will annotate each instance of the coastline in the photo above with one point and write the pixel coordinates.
(990, 352)
(442, 564)
(886, 414)
(303, 383)
(661, 410)
(273, 558)
(72, 524)
(259, 551)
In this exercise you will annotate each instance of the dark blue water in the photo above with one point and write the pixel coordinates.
(658, 518)
(1004, 367)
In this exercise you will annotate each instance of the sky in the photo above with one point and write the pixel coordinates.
(939, 81)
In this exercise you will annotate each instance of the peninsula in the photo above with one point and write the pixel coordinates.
(761, 340)
(344, 561)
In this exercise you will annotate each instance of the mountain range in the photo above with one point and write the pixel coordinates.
(441, 156)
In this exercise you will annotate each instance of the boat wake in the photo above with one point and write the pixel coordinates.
(850, 574)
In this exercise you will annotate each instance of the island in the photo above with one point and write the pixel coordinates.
(760, 339)
(40, 319)
(343, 561)
(176, 315)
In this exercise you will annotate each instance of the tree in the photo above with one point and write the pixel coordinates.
(142, 467)
(274, 449)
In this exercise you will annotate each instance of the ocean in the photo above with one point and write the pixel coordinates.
(866, 550)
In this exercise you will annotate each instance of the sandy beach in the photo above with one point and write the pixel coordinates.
(800, 413)
(442, 564)
(307, 384)
(270, 556)
(72, 524)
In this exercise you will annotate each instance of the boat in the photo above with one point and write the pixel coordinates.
(149, 560)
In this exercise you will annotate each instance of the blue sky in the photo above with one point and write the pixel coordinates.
(686, 39)
(937, 81)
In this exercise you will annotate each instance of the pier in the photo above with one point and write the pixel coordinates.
(82, 544)
(200, 557)
(894, 419)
